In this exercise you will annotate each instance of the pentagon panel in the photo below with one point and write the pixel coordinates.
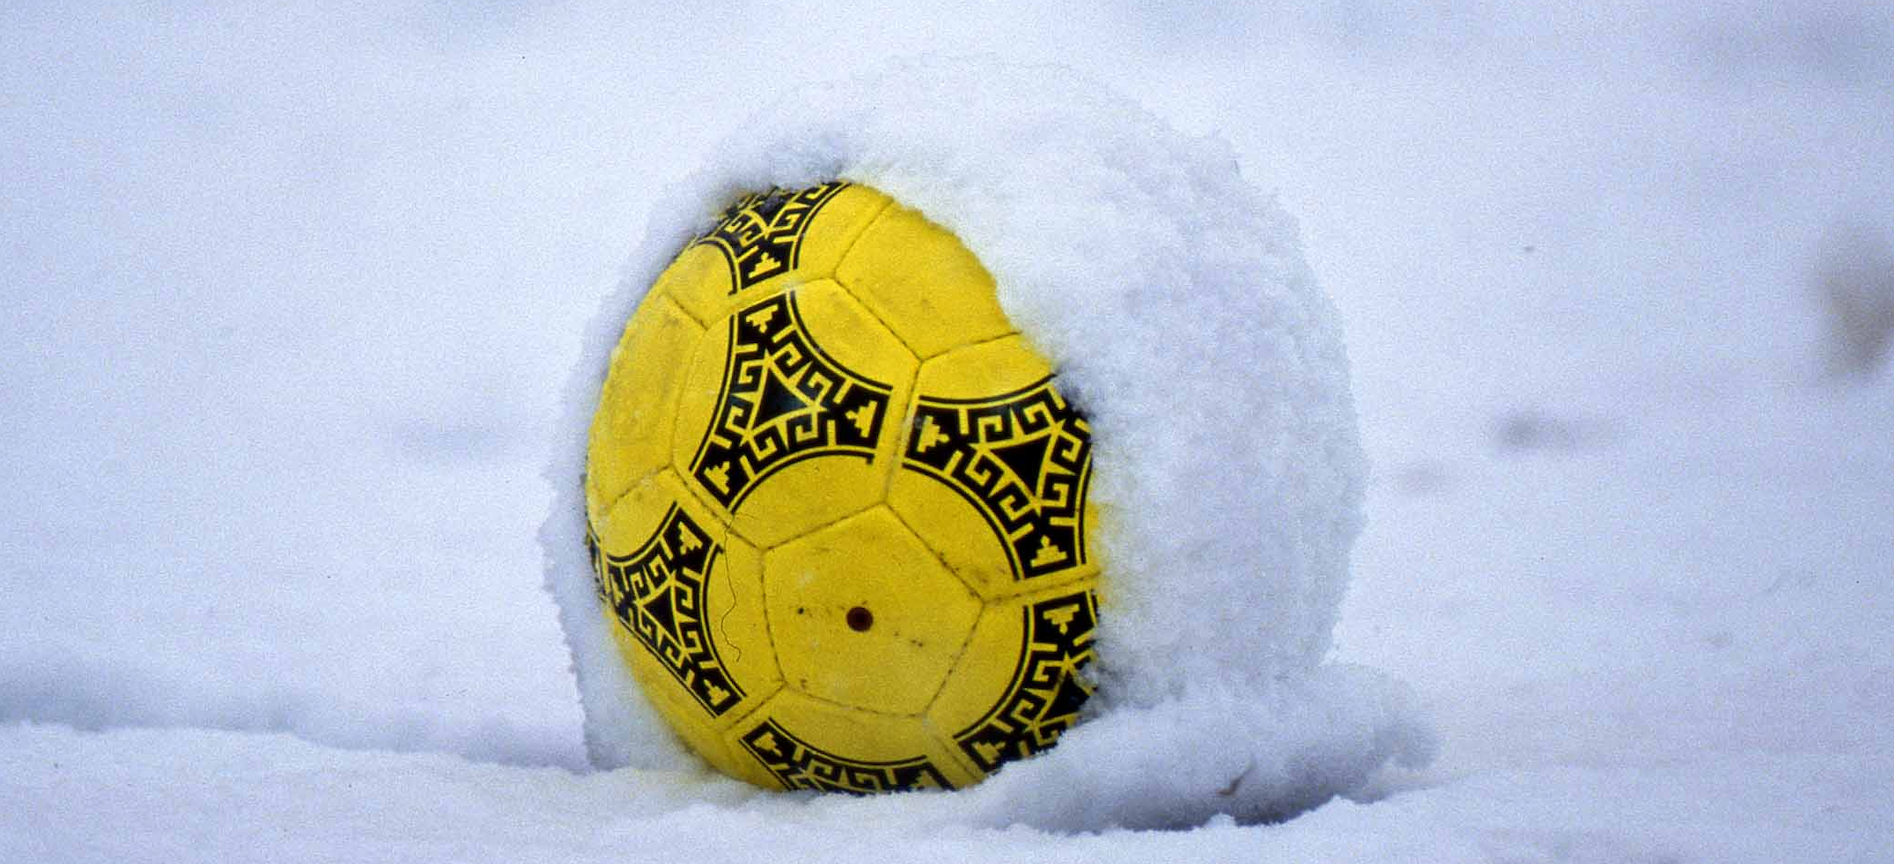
(865, 615)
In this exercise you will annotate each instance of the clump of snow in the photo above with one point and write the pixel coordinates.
(1174, 301)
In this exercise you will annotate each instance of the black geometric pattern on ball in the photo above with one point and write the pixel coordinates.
(1023, 459)
(657, 594)
(1047, 690)
(783, 400)
(761, 235)
(797, 765)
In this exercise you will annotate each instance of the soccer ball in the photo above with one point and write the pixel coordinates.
(837, 504)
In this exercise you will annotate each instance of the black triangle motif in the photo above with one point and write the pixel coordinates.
(1026, 458)
(775, 400)
(1067, 698)
(659, 608)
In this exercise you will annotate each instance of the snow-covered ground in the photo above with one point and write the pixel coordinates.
(291, 297)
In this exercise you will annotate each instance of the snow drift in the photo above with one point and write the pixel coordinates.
(1174, 301)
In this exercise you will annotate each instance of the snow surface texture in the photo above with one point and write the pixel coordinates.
(1173, 299)
(289, 299)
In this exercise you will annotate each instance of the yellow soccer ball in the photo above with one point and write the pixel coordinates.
(837, 504)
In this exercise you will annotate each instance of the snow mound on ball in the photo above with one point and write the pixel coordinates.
(1173, 298)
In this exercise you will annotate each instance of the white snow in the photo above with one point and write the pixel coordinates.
(291, 299)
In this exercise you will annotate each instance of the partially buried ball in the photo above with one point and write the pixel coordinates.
(837, 504)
